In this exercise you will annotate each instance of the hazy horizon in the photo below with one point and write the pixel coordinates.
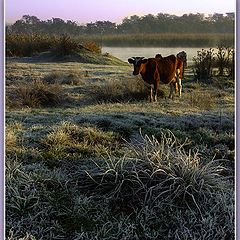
(108, 10)
(82, 23)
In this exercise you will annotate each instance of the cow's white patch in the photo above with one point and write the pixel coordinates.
(137, 60)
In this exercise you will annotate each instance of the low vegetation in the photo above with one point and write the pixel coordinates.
(88, 157)
(165, 39)
(207, 61)
(26, 45)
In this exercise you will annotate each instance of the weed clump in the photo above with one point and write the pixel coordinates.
(75, 141)
(120, 91)
(155, 179)
(36, 94)
(61, 78)
(202, 100)
(165, 168)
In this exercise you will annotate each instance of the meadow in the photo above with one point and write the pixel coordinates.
(88, 157)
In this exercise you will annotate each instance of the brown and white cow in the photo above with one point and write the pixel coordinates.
(154, 71)
(179, 73)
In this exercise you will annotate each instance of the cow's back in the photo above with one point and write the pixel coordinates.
(167, 68)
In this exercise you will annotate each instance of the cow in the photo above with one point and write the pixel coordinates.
(183, 56)
(179, 72)
(154, 71)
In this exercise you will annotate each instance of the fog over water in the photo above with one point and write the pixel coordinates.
(124, 53)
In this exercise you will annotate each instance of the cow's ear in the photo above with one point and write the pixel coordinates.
(130, 60)
(144, 60)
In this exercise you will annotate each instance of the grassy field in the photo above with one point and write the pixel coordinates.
(88, 157)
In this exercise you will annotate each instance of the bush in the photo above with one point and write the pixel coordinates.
(92, 46)
(207, 60)
(203, 65)
(65, 46)
(225, 60)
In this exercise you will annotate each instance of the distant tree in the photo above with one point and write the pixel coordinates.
(31, 20)
(106, 27)
(130, 25)
(27, 24)
(160, 23)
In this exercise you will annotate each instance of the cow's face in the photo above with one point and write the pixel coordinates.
(137, 64)
(183, 56)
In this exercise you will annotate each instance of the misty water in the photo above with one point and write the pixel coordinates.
(124, 53)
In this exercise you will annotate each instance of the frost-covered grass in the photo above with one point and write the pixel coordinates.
(104, 163)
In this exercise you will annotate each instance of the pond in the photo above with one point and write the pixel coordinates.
(124, 53)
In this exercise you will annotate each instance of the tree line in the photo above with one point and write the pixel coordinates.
(160, 23)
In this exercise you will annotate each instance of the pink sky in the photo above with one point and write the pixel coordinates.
(112, 10)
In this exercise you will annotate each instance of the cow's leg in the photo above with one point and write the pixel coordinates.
(172, 87)
(156, 85)
(176, 87)
(147, 91)
(151, 94)
(179, 82)
(180, 87)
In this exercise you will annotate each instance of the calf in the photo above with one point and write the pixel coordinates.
(154, 71)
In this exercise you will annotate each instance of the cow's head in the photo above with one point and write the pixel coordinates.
(159, 56)
(137, 64)
(183, 56)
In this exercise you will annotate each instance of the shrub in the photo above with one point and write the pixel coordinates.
(203, 65)
(92, 46)
(65, 46)
(207, 60)
(225, 60)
